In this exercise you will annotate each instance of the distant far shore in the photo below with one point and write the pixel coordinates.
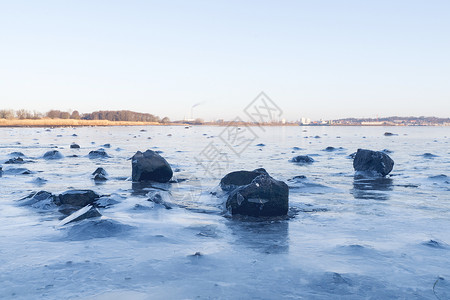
(44, 122)
(48, 122)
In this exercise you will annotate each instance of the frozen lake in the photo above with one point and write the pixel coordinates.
(344, 238)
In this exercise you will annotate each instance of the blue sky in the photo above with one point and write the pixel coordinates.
(317, 59)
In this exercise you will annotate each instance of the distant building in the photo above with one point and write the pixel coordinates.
(373, 123)
(305, 121)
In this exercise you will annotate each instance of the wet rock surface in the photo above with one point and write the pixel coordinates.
(376, 162)
(302, 159)
(53, 154)
(150, 166)
(239, 178)
(100, 153)
(100, 174)
(262, 196)
(77, 198)
(86, 212)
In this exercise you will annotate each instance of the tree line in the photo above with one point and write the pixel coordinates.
(111, 115)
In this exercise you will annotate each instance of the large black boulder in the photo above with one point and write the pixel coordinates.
(150, 166)
(264, 196)
(53, 154)
(239, 178)
(373, 162)
(77, 198)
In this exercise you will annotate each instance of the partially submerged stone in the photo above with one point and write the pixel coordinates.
(17, 171)
(100, 153)
(78, 198)
(15, 160)
(38, 197)
(150, 166)
(86, 212)
(302, 159)
(53, 154)
(100, 175)
(257, 197)
(373, 162)
(158, 199)
(17, 154)
(239, 178)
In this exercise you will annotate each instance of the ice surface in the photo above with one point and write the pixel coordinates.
(345, 237)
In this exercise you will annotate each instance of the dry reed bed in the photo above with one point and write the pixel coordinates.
(67, 122)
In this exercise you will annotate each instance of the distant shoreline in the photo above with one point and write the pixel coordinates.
(46, 122)
(72, 123)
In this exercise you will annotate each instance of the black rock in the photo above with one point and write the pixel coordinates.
(53, 154)
(107, 145)
(75, 146)
(264, 196)
(17, 171)
(435, 244)
(34, 198)
(389, 134)
(16, 160)
(100, 171)
(156, 198)
(100, 153)
(39, 181)
(260, 145)
(239, 178)
(86, 212)
(100, 175)
(108, 200)
(17, 154)
(296, 148)
(329, 149)
(425, 155)
(302, 159)
(373, 161)
(352, 155)
(150, 166)
(78, 198)
(440, 177)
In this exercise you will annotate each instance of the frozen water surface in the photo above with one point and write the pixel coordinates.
(345, 237)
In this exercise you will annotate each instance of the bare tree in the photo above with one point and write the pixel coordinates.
(53, 114)
(75, 115)
(64, 115)
(23, 114)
